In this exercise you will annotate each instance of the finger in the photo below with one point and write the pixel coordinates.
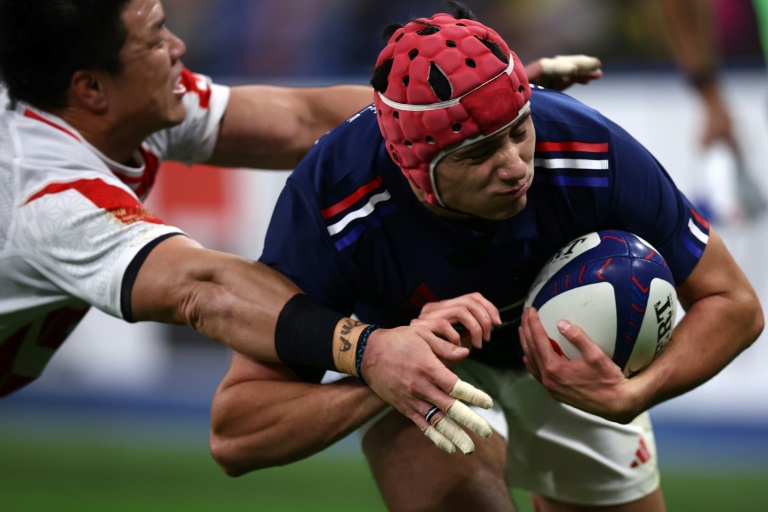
(442, 328)
(492, 310)
(577, 337)
(470, 419)
(557, 66)
(445, 350)
(531, 357)
(472, 323)
(486, 314)
(581, 63)
(455, 434)
(526, 338)
(439, 439)
(470, 394)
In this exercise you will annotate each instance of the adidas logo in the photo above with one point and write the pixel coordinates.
(642, 455)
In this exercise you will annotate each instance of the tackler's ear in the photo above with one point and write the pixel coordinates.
(87, 88)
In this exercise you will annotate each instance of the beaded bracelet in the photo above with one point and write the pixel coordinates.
(361, 342)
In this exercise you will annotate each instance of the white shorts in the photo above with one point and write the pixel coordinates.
(558, 451)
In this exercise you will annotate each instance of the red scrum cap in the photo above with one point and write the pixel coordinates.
(449, 83)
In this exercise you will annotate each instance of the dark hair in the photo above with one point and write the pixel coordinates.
(43, 43)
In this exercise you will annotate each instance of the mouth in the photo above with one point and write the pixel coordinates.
(518, 191)
(179, 89)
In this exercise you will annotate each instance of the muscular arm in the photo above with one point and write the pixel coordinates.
(268, 127)
(262, 416)
(238, 303)
(226, 298)
(723, 317)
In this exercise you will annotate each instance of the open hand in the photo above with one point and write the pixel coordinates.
(403, 367)
(592, 383)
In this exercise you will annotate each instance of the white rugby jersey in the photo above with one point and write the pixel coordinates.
(72, 222)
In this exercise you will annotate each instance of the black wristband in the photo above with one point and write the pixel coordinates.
(304, 333)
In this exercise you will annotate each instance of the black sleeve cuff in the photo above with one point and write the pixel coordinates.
(129, 278)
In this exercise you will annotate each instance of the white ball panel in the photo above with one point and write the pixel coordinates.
(657, 325)
(560, 259)
(592, 307)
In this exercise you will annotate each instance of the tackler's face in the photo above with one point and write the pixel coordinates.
(147, 93)
(490, 178)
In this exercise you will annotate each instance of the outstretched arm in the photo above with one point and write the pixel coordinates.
(270, 127)
(240, 304)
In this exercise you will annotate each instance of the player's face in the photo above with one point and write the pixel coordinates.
(491, 177)
(146, 95)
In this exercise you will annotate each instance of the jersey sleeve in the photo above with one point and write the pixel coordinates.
(298, 245)
(647, 202)
(194, 139)
(84, 235)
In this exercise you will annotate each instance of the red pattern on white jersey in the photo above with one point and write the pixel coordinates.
(125, 207)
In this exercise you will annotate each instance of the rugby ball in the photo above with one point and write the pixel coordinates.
(617, 288)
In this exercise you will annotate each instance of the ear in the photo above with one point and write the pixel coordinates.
(88, 88)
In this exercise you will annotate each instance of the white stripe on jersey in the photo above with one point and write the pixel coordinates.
(697, 232)
(570, 163)
(366, 210)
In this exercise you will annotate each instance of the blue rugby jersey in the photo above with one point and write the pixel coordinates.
(349, 231)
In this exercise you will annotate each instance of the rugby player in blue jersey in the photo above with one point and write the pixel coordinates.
(452, 190)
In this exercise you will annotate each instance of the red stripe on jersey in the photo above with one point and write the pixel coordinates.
(151, 165)
(125, 207)
(33, 115)
(192, 84)
(416, 301)
(701, 220)
(587, 147)
(426, 293)
(351, 199)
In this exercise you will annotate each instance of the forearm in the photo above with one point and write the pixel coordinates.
(268, 127)
(300, 420)
(226, 298)
(712, 333)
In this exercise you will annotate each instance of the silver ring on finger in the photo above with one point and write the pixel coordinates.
(430, 413)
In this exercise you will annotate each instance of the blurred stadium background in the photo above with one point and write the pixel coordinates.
(119, 420)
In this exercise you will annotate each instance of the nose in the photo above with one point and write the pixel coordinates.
(178, 47)
(511, 166)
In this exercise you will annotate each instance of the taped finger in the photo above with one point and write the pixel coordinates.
(470, 394)
(439, 439)
(467, 417)
(455, 435)
(557, 66)
(582, 62)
